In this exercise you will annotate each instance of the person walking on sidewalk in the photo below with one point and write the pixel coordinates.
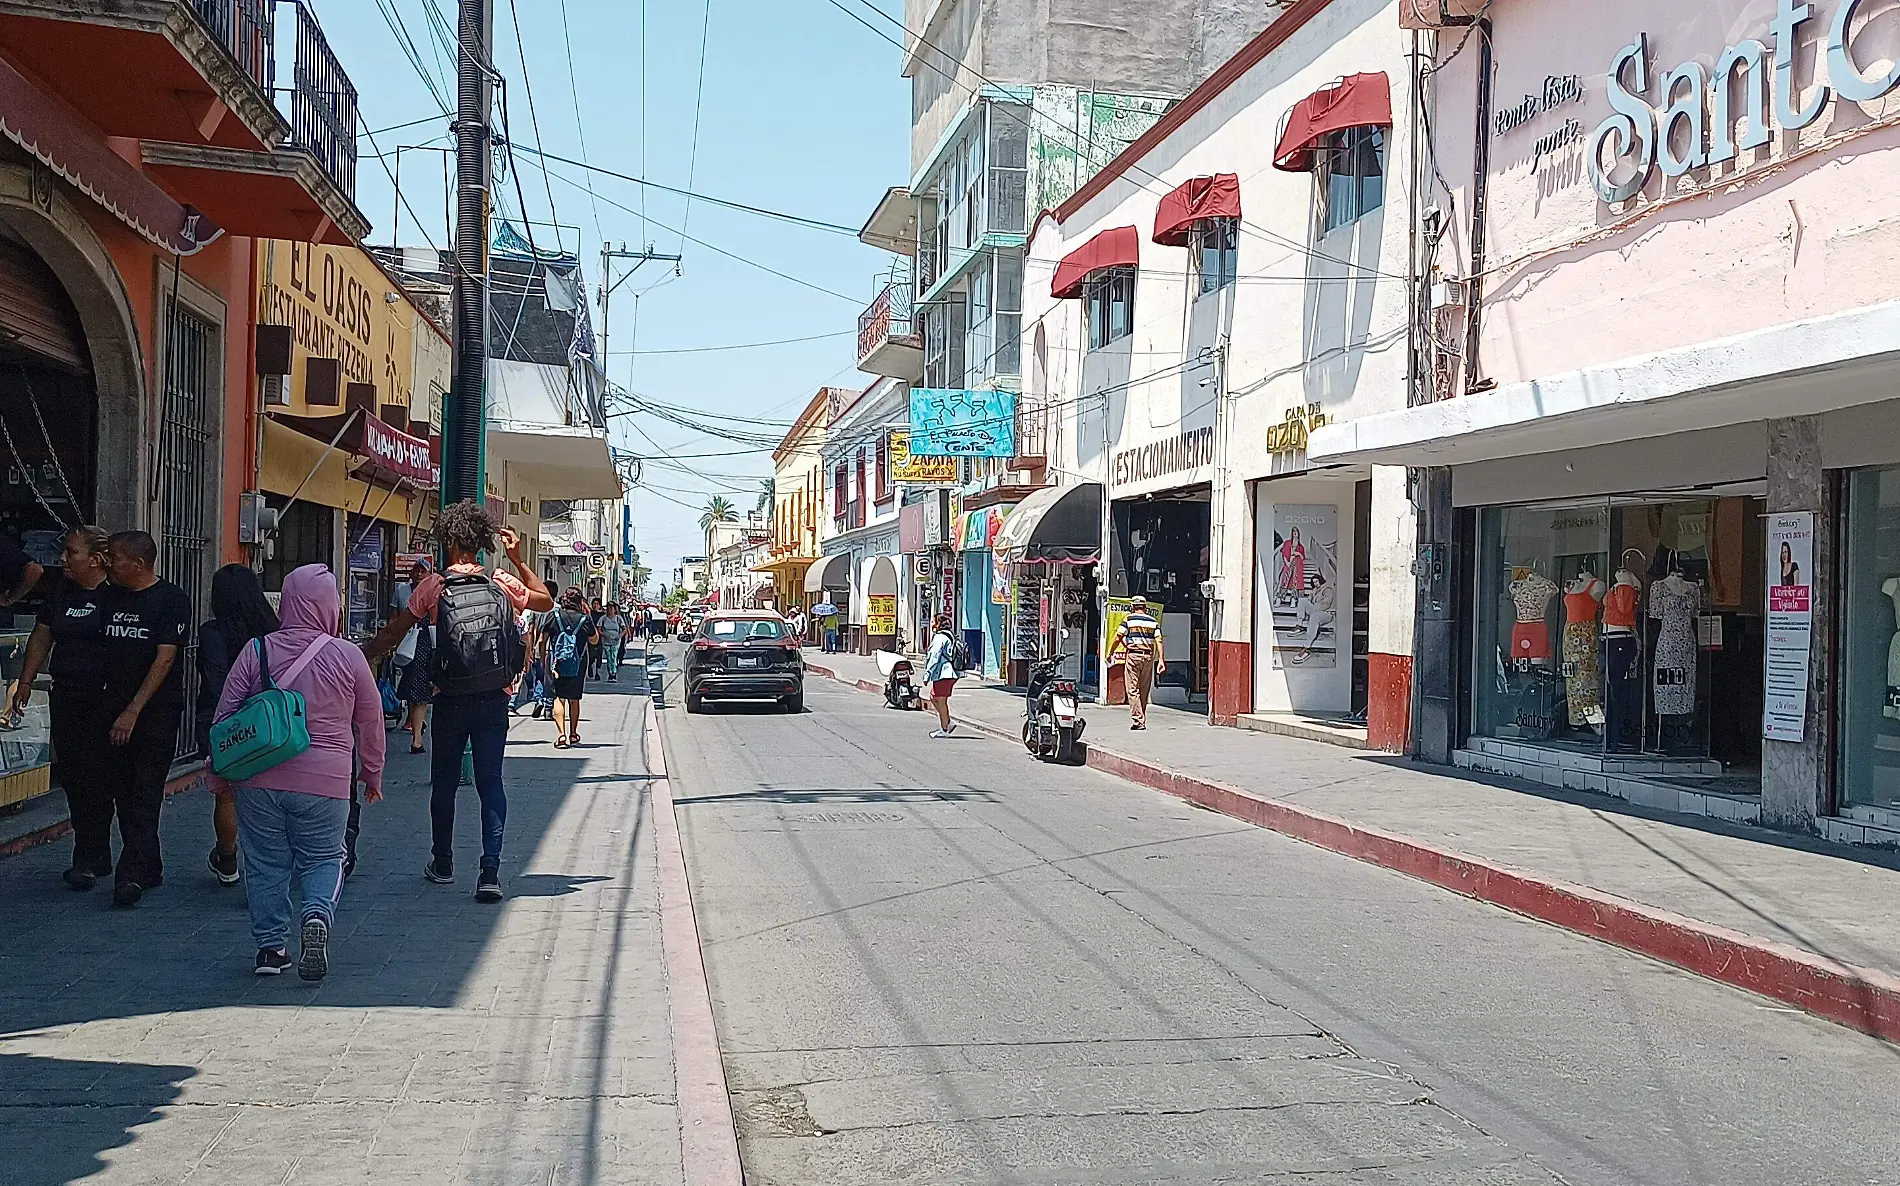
(416, 689)
(292, 817)
(537, 643)
(1138, 641)
(940, 671)
(613, 629)
(69, 641)
(479, 652)
(564, 645)
(240, 614)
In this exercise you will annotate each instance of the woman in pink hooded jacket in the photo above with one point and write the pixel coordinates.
(291, 818)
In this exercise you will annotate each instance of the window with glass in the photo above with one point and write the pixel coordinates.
(1869, 696)
(936, 347)
(1109, 296)
(1351, 176)
(1008, 168)
(1215, 246)
(1625, 626)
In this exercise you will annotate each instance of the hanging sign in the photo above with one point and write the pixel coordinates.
(1790, 625)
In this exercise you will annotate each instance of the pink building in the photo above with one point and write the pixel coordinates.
(1654, 405)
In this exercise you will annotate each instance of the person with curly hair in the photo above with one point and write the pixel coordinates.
(468, 712)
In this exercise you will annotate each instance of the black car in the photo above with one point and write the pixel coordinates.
(745, 656)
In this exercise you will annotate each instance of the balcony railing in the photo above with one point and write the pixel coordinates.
(246, 30)
(323, 104)
(890, 315)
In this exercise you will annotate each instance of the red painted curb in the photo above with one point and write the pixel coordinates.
(1861, 998)
(191, 780)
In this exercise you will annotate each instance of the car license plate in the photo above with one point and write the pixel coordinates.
(747, 662)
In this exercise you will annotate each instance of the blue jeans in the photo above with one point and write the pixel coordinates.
(284, 835)
(479, 723)
(831, 640)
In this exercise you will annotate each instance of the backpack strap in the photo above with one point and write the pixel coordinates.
(304, 660)
(263, 663)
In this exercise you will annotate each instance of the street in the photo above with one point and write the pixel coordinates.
(929, 962)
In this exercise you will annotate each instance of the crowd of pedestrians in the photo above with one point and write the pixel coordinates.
(290, 715)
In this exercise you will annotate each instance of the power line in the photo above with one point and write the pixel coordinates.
(580, 128)
(699, 92)
(407, 45)
(843, 333)
(764, 212)
(534, 121)
(708, 246)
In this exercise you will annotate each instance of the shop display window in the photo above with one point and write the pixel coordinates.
(1621, 626)
(1869, 701)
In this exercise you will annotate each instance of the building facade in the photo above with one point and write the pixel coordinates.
(801, 502)
(860, 570)
(1235, 277)
(1656, 448)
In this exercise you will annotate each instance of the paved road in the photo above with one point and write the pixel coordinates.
(936, 962)
(452, 1043)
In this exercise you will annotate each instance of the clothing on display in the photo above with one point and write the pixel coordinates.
(1531, 594)
(1580, 649)
(1675, 602)
(1891, 588)
(1622, 692)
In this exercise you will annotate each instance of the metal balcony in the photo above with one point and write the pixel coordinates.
(890, 341)
(322, 100)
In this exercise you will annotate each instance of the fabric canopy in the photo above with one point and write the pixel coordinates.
(1356, 101)
(1055, 525)
(1194, 200)
(833, 572)
(1113, 248)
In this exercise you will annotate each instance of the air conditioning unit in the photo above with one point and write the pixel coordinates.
(1448, 293)
(273, 365)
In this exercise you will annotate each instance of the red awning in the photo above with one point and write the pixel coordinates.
(1356, 101)
(388, 456)
(1113, 248)
(1196, 199)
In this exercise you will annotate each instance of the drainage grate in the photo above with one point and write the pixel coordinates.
(845, 817)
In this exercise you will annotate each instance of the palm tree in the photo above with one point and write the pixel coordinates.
(768, 493)
(718, 510)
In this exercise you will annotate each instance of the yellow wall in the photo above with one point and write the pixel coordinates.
(336, 300)
(288, 459)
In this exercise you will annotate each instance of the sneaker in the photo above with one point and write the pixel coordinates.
(439, 871)
(488, 886)
(127, 893)
(80, 879)
(536, 714)
(224, 866)
(940, 732)
(314, 959)
(271, 961)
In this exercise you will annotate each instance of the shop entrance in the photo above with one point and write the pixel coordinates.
(1159, 551)
(48, 406)
(1627, 628)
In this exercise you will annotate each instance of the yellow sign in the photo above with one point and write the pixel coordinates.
(335, 299)
(880, 615)
(1289, 436)
(919, 470)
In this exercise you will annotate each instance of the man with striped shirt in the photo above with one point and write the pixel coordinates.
(1139, 642)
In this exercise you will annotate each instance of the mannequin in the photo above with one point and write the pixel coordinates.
(1581, 599)
(1892, 707)
(1675, 600)
(1531, 595)
(1622, 657)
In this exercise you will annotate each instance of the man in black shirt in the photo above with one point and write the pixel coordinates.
(147, 622)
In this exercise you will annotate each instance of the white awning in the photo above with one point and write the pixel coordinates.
(833, 572)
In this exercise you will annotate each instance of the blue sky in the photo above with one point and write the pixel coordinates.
(803, 111)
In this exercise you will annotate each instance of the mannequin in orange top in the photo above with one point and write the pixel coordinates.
(1622, 664)
(1581, 598)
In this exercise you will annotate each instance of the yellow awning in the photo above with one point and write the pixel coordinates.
(291, 459)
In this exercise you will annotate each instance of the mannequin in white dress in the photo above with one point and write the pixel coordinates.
(1675, 600)
(1892, 707)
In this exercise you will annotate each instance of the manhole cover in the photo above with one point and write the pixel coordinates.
(844, 817)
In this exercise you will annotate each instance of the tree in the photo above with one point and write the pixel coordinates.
(768, 494)
(718, 510)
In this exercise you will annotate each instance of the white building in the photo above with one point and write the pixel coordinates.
(1232, 279)
(861, 559)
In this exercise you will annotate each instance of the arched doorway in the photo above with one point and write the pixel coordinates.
(880, 604)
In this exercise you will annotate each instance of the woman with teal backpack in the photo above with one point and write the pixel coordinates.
(300, 709)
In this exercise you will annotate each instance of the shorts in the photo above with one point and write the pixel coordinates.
(569, 687)
(940, 689)
(1530, 640)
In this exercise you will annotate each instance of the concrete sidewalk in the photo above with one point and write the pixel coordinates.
(1803, 921)
(538, 1040)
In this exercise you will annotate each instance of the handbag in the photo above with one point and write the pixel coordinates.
(269, 728)
(406, 649)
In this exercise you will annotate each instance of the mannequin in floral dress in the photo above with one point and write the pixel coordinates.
(1581, 686)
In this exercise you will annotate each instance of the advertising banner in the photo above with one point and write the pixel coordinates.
(880, 614)
(919, 471)
(1790, 625)
(946, 422)
(1306, 593)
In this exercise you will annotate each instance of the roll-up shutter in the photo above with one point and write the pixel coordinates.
(36, 315)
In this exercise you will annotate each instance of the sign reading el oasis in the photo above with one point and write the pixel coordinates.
(333, 300)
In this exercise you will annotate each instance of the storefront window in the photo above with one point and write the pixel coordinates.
(1870, 677)
(1623, 626)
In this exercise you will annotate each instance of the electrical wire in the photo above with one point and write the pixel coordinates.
(407, 45)
(843, 333)
(699, 92)
(580, 128)
(534, 121)
(764, 212)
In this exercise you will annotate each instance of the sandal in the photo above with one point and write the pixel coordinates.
(418, 749)
(560, 743)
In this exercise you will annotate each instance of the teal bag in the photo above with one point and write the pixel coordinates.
(268, 729)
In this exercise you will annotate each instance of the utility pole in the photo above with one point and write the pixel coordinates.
(608, 254)
(463, 453)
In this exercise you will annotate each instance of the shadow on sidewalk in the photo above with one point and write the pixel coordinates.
(62, 1116)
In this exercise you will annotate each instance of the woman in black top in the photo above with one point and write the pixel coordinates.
(71, 634)
(239, 613)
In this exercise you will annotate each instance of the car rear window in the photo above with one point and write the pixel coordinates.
(741, 629)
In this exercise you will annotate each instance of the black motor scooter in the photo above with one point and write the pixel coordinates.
(900, 681)
(1052, 720)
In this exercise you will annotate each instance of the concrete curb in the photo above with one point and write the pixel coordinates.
(1861, 998)
(709, 1141)
(191, 780)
